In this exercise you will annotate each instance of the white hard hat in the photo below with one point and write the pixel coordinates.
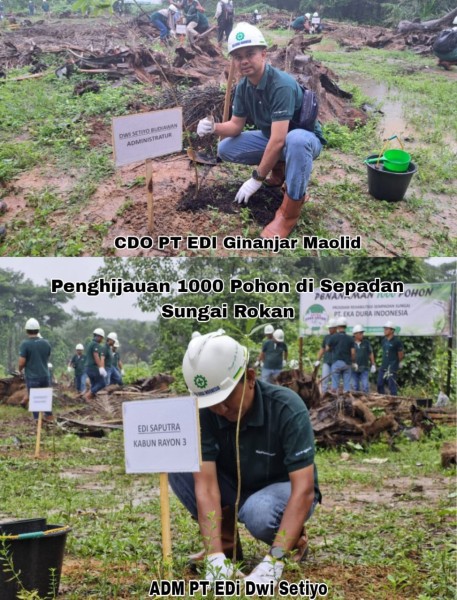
(99, 332)
(307, 15)
(244, 35)
(195, 334)
(212, 366)
(331, 323)
(256, 12)
(358, 329)
(172, 8)
(341, 322)
(112, 336)
(49, 365)
(268, 329)
(79, 347)
(315, 14)
(279, 335)
(32, 325)
(454, 22)
(389, 324)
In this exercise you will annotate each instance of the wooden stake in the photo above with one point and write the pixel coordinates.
(300, 354)
(149, 188)
(166, 531)
(38, 435)
(228, 91)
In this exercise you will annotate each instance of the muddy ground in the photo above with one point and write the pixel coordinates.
(121, 201)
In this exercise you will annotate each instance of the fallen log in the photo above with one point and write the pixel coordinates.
(433, 25)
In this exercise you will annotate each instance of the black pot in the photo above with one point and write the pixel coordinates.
(387, 185)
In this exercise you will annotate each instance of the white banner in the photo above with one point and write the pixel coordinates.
(40, 400)
(161, 436)
(422, 309)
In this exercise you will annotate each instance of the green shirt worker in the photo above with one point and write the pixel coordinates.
(271, 99)
(392, 357)
(279, 486)
(273, 356)
(342, 347)
(326, 357)
(95, 363)
(364, 359)
(34, 353)
(77, 363)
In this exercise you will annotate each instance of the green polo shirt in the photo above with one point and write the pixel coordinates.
(390, 350)
(362, 354)
(327, 358)
(36, 352)
(276, 438)
(108, 356)
(116, 359)
(341, 345)
(91, 348)
(274, 354)
(78, 362)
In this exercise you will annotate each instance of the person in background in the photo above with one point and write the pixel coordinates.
(301, 23)
(326, 357)
(45, 6)
(392, 357)
(77, 363)
(95, 364)
(224, 16)
(364, 359)
(31, 6)
(273, 356)
(278, 475)
(342, 347)
(196, 22)
(117, 368)
(34, 353)
(2, 13)
(109, 347)
(164, 20)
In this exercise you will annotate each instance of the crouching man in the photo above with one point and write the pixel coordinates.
(272, 100)
(278, 478)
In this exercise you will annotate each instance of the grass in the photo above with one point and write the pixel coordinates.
(363, 544)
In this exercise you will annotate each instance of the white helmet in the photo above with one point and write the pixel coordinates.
(256, 12)
(454, 22)
(279, 335)
(79, 347)
(195, 334)
(389, 325)
(112, 336)
(99, 332)
(315, 14)
(32, 325)
(308, 15)
(172, 8)
(212, 366)
(358, 329)
(268, 329)
(341, 322)
(49, 365)
(331, 323)
(244, 35)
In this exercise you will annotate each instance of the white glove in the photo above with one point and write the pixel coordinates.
(317, 363)
(122, 372)
(205, 126)
(373, 369)
(269, 570)
(257, 363)
(284, 364)
(400, 364)
(102, 371)
(355, 367)
(69, 369)
(220, 567)
(246, 190)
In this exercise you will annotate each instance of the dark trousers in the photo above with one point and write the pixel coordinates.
(97, 381)
(389, 377)
(223, 30)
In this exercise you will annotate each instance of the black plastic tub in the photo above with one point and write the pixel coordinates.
(36, 560)
(387, 185)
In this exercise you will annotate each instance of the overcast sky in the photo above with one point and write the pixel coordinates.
(78, 269)
(81, 269)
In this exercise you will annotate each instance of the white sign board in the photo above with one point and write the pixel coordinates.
(147, 135)
(422, 309)
(40, 400)
(161, 436)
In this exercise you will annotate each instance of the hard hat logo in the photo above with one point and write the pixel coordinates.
(240, 36)
(200, 381)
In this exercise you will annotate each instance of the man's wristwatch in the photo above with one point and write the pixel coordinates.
(277, 552)
(255, 175)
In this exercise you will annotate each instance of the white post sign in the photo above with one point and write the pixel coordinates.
(161, 436)
(147, 135)
(40, 400)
